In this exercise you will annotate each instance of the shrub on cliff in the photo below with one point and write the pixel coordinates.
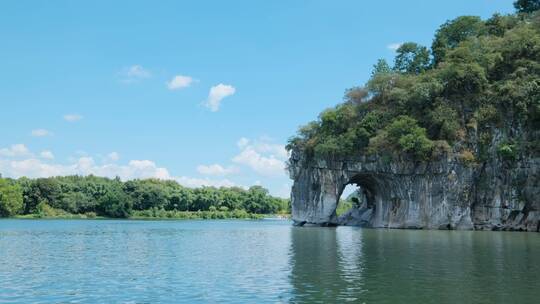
(403, 134)
(508, 151)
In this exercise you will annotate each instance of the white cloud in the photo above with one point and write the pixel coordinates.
(11, 165)
(267, 166)
(216, 169)
(17, 150)
(145, 168)
(179, 82)
(113, 156)
(134, 73)
(31, 167)
(34, 167)
(264, 145)
(40, 133)
(72, 117)
(216, 95)
(262, 156)
(46, 154)
(394, 46)
(137, 71)
(276, 150)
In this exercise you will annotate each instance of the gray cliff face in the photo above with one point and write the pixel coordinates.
(444, 194)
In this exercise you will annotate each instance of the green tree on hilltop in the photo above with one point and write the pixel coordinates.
(452, 33)
(381, 67)
(527, 6)
(411, 58)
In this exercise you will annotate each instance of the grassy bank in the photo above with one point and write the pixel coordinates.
(188, 215)
(154, 214)
(68, 216)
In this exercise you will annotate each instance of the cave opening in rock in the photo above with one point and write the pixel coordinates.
(350, 198)
(356, 204)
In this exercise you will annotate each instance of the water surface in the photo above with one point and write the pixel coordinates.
(85, 261)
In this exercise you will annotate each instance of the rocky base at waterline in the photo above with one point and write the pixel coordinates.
(442, 194)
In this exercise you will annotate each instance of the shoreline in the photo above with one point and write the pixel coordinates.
(186, 216)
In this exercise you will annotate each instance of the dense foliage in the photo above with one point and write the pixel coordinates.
(99, 196)
(477, 87)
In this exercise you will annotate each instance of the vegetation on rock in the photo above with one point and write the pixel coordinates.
(477, 87)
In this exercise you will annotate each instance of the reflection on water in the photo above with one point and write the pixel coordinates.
(326, 265)
(261, 262)
(407, 266)
(143, 261)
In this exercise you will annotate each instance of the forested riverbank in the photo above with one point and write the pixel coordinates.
(80, 197)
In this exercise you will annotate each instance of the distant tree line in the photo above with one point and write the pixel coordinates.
(100, 196)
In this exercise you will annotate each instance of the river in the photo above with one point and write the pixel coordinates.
(124, 261)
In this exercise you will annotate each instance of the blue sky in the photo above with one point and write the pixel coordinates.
(204, 92)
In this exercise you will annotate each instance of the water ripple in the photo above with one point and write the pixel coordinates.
(260, 262)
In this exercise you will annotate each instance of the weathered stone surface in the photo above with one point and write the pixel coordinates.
(444, 194)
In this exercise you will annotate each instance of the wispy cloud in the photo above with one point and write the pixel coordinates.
(394, 46)
(179, 82)
(263, 157)
(216, 95)
(16, 150)
(17, 161)
(259, 163)
(72, 117)
(216, 169)
(134, 73)
(113, 156)
(33, 167)
(46, 154)
(40, 133)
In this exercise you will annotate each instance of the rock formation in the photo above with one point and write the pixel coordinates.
(441, 194)
(447, 143)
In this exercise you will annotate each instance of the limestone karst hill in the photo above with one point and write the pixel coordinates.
(446, 138)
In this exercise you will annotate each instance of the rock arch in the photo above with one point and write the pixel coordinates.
(444, 194)
(370, 206)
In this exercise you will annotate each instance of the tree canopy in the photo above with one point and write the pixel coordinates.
(411, 58)
(114, 198)
(480, 78)
(11, 199)
(527, 6)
